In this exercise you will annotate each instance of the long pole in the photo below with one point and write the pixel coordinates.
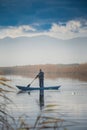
(31, 82)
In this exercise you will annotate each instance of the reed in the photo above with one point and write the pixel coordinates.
(5, 117)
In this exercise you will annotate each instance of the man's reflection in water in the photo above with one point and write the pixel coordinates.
(41, 99)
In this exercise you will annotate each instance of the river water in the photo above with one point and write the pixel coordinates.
(63, 109)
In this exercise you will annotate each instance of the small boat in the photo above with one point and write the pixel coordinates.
(23, 88)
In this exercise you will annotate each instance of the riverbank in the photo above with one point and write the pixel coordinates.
(76, 71)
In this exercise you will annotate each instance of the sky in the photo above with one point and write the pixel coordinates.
(63, 20)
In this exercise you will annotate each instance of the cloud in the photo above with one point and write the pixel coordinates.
(68, 30)
(17, 31)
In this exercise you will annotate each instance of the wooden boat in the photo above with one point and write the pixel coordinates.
(23, 88)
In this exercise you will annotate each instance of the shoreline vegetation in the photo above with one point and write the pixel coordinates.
(52, 71)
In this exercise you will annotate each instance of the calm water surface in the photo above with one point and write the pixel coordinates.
(65, 108)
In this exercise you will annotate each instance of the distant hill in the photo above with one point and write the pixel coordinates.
(42, 49)
(42, 39)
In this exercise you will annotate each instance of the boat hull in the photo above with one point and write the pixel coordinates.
(23, 88)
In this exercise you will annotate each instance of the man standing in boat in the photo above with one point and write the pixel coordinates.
(41, 83)
(41, 78)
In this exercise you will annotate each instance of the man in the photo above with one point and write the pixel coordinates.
(41, 78)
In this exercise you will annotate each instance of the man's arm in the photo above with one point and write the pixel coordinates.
(37, 76)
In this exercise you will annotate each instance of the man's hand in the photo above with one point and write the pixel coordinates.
(28, 85)
(36, 77)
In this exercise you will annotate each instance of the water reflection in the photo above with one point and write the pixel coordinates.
(41, 99)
